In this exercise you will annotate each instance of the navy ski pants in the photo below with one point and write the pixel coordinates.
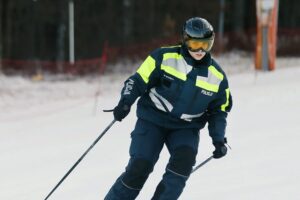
(147, 142)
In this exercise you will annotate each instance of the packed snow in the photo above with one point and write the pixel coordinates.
(45, 126)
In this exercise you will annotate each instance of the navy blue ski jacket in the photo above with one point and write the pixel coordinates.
(177, 91)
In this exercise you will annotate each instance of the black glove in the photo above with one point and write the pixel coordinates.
(220, 149)
(121, 111)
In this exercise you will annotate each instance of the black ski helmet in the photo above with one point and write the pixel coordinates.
(199, 30)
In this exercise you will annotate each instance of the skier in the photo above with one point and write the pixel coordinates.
(180, 89)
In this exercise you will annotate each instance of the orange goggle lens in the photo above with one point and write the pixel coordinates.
(196, 45)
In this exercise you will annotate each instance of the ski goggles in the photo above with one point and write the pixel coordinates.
(197, 45)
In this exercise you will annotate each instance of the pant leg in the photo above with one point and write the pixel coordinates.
(147, 141)
(183, 147)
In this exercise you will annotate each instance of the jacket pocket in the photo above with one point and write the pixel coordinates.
(169, 88)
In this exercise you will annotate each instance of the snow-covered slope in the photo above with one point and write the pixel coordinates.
(46, 126)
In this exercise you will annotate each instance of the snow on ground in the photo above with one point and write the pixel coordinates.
(46, 126)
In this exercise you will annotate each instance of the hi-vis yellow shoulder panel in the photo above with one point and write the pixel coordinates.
(146, 68)
(174, 64)
(172, 56)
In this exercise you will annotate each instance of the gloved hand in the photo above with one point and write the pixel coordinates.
(220, 149)
(121, 111)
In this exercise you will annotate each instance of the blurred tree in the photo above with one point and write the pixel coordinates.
(289, 15)
(127, 21)
(239, 8)
(7, 26)
(169, 24)
(1, 24)
(37, 29)
(61, 34)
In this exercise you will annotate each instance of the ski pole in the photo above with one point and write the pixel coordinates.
(79, 160)
(201, 164)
